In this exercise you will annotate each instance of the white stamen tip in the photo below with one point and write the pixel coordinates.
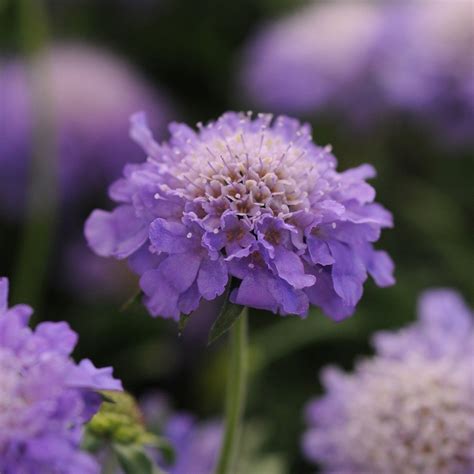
(189, 235)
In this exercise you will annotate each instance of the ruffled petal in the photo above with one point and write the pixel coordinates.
(190, 299)
(212, 278)
(290, 300)
(180, 270)
(322, 294)
(161, 298)
(319, 251)
(58, 336)
(348, 273)
(170, 236)
(86, 375)
(290, 267)
(140, 132)
(246, 294)
(381, 267)
(118, 233)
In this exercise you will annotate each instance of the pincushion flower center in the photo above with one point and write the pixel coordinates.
(253, 173)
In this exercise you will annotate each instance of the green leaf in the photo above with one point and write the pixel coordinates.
(134, 460)
(229, 314)
(132, 300)
(183, 320)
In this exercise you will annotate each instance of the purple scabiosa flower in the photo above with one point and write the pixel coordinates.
(92, 94)
(195, 444)
(314, 59)
(253, 199)
(365, 60)
(410, 408)
(45, 397)
(425, 64)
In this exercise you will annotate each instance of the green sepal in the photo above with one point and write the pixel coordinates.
(183, 320)
(228, 315)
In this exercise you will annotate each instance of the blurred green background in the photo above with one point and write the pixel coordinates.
(191, 49)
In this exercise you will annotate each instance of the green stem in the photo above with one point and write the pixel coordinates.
(235, 396)
(41, 203)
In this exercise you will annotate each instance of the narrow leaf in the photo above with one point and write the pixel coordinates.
(229, 314)
(183, 320)
(105, 397)
(133, 299)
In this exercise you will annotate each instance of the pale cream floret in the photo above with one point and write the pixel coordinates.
(253, 171)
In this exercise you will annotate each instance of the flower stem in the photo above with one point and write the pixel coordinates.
(235, 396)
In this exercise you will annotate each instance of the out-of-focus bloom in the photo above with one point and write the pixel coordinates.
(314, 59)
(196, 444)
(425, 64)
(45, 397)
(249, 198)
(366, 60)
(409, 409)
(92, 95)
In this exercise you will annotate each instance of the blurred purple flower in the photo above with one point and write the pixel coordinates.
(45, 397)
(93, 93)
(314, 59)
(410, 408)
(363, 61)
(196, 444)
(426, 65)
(254, 199)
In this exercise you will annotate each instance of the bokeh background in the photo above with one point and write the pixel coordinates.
(71, 72)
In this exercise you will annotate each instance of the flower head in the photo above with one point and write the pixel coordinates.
(45, 397)
(253, 199)
(307, 61)
(409, 409)
(367, 60)
(90, 119)
(425, 64)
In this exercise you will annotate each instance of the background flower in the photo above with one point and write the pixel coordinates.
(251, 199)
(425, 67)
(367, 61)
(313, 59)
(410, 408)
(45, 397)
(93, 93)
